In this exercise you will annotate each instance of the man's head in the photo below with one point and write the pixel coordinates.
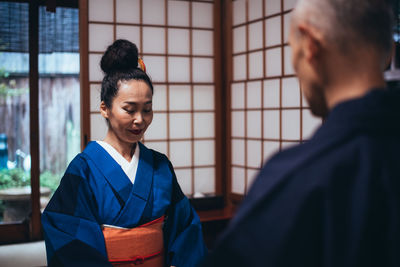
(328, 36)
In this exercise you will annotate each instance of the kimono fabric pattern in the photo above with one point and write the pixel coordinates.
(95, 191)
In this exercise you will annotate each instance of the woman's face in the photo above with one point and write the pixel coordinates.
(131, 111)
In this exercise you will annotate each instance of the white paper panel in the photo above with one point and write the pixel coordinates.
(153, 40)
(100, 37)
(239, 39)
(287, 145)
(274, 62)
(239, 12)
(273, 31)
(180, 125)
(254, 124)
(95, 90)
(239, 67)
(238, 124)
(178, 69)
(160, 98)
(128, 11)
(95, 73)
(254, 157)
(288, 61)
(289, 4)
(271, 93)
(179, 97)
(100, 10)
(204, 180)
(155, 67)
(178, 41)
(98, 127)
(203, 43)
(255, 35)
(286, 26)
(237, 95)
(255, 9)
(256, 65)
(181, 153)
(178, 13)
(251, 176)
(310, 124)
(202, 15)
(203, 70)
(203, 97)
(204, 152)
(238, 152)
(271, 124)
(204, 125)
(270, 148)
(131, 33)
(158, 146)
(254, 94)
(184, 177)
(272, 7)
(158, 128)
(291, 124)
(305, 102)
(238, 178)
(153, 12)
(290, 92)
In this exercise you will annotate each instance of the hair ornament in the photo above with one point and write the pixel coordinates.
(142, 66)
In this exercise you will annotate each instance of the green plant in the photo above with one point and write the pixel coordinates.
(18, 178)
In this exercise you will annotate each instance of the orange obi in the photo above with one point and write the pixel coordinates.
(142, 245)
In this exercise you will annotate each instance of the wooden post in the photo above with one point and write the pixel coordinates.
(34, 117)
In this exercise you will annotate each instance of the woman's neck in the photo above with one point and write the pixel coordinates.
(124, 148)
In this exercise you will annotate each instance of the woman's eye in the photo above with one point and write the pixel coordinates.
(130, 111)
(147, 110)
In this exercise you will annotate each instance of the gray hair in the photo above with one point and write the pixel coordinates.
(347, 22)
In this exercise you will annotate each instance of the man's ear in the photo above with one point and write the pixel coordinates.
(312, 41)
(103, 110)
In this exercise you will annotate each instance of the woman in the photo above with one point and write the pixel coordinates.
(117, 196)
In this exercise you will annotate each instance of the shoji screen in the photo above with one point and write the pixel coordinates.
(267, 110)
(176, 41)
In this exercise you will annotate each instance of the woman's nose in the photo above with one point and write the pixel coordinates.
(138, 118)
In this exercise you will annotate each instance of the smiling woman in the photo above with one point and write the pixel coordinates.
(120, 202)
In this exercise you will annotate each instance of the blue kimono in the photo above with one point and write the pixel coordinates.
(332, 201)
(95, 191)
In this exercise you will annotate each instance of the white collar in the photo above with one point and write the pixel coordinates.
(130, 168)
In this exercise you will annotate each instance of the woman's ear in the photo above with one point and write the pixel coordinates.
(104, 110)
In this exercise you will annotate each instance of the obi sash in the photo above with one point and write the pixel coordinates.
(142, 245)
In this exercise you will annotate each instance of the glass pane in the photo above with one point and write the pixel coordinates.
(59, 93)
(14, 116)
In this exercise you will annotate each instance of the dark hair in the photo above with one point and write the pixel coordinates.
(120, 63)
(371, 21)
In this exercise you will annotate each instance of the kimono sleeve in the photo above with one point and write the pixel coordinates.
(183, 232)
(73, 236)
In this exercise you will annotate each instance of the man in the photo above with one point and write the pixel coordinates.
(334, 200)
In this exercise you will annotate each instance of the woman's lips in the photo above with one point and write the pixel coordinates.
(136, 132)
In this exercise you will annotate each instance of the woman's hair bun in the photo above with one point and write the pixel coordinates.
(122, 55)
